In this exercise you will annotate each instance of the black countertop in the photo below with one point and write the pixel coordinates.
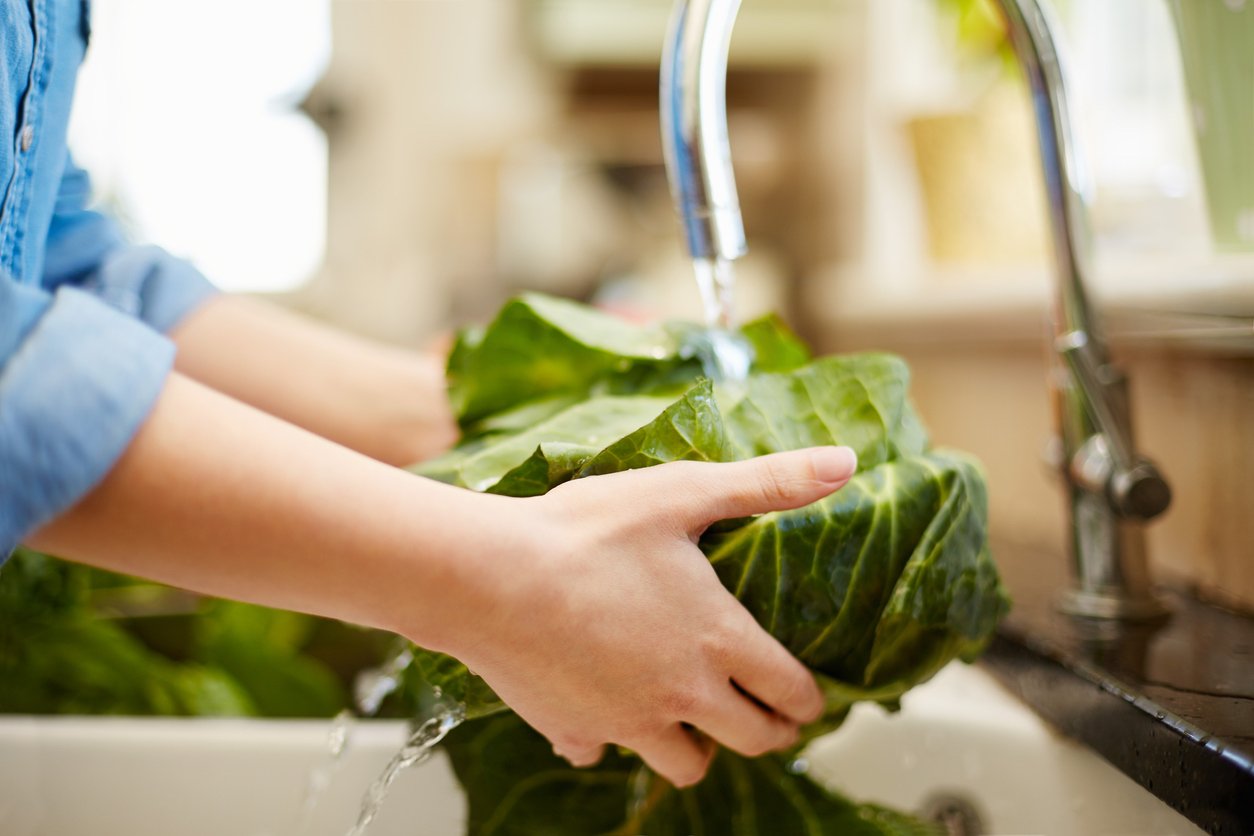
(1171, 704)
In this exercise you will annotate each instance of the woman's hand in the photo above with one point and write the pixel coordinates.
(617, 630)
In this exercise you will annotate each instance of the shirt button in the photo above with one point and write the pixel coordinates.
(28, 137)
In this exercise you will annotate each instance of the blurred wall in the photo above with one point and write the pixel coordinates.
(481, 147)
(418, 102)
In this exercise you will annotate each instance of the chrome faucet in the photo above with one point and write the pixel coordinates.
(1111, 490)
(698, 155)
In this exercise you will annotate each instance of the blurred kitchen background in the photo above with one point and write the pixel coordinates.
(400, 167)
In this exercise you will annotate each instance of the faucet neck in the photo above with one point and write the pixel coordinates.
(693, 95)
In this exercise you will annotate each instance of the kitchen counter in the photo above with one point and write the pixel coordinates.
(1171, 705)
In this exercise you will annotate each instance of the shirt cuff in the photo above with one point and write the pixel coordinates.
(150, 284)
(72, 397)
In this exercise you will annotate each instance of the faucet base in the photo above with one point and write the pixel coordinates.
(1113, 606)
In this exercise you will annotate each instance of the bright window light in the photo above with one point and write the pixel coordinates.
(185, 116)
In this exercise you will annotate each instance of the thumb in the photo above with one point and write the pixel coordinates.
(776, 482)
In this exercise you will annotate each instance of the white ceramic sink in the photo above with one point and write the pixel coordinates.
(958, 737)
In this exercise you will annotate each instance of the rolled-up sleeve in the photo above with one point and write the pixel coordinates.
(86, 249)
(83, 358)
(75, 386)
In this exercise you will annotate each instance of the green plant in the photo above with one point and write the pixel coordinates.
(60, 654)
(57, 657)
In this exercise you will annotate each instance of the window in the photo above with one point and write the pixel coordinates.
(186, 117)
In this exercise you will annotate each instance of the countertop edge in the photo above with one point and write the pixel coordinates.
(1206, 778)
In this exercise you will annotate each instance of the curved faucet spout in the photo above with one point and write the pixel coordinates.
(1067, 177)
(697, 150)
(694, 128)
(1110, 488)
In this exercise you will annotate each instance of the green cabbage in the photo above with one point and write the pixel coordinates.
(875, 587)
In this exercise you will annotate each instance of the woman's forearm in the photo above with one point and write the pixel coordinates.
(386, 403)
(218, 497)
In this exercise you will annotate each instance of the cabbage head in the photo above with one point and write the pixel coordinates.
(875, 588)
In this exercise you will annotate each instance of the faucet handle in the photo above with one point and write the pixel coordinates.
(1140, 492)
(1132, 483)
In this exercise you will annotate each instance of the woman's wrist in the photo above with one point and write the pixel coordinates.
(484, 567)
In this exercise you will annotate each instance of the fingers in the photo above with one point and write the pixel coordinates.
(678, 755)
(582, 757)
(737, 723)
(771, 675)
(776, 482)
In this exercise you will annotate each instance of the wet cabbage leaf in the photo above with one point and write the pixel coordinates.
(876, 587)
(516, 786)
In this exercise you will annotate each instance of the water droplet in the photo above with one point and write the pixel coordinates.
(341, 725)
(798, 766)
(374, 685)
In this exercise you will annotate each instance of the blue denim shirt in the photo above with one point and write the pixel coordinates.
(82, 314)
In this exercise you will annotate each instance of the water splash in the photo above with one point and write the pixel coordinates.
(725, 356)
(717, 282)
(416, 750)
(373, 685)
(370, 689)
(338, 738)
